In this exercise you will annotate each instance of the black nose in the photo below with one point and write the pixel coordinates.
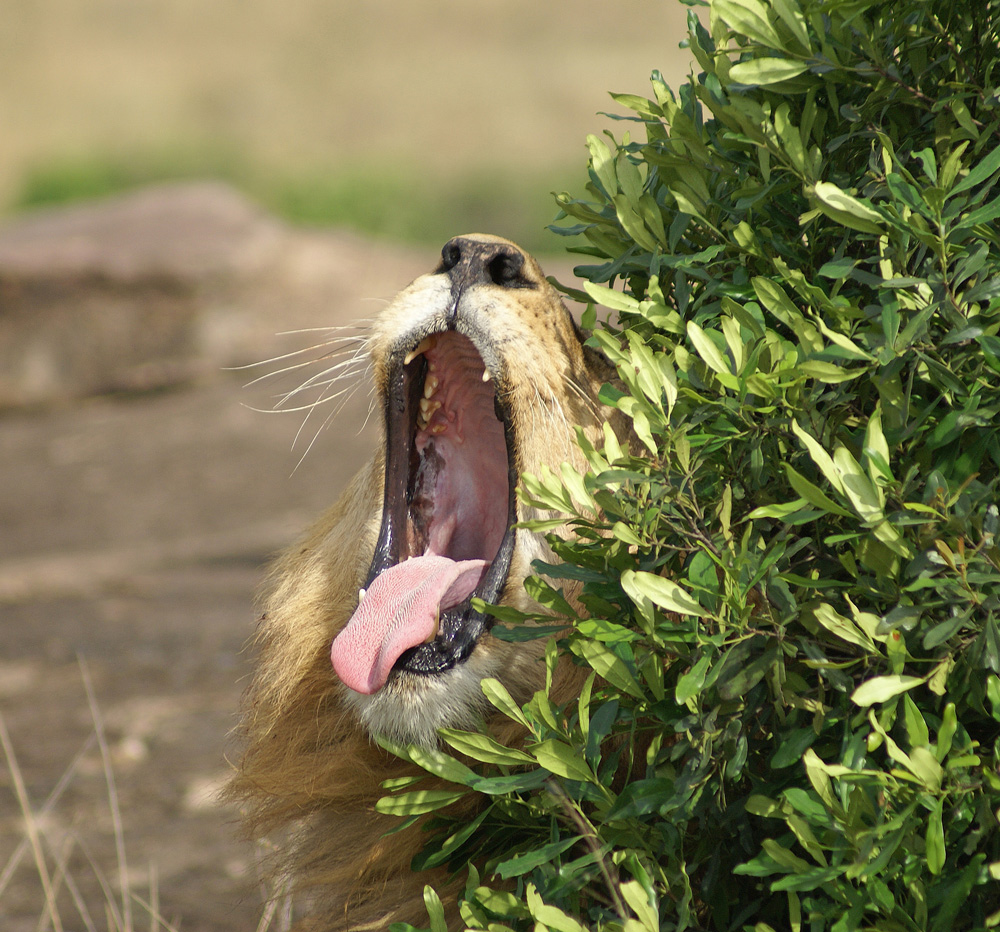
(474, 262)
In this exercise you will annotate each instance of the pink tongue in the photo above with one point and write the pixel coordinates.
(399, 611)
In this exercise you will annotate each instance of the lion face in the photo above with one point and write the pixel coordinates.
(482, 375)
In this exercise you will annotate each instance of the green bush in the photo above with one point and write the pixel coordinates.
(794, 714)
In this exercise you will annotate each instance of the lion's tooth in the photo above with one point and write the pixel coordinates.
(431, 384)
(361, 594)
(437, 626)
(422, 347)
(486, 375)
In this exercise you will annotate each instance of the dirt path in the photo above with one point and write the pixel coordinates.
(134, 535)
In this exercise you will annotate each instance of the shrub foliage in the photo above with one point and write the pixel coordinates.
(793, 584)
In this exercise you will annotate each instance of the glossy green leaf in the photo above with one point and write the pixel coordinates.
(749, 18)
(665, 593)
(848, 209)
(441, 765)
(934, 839)
(707, 349)
(435, 910)
(791, 15)
(820, 457)
(501, 699)
(690, 683)
(812, 493)
(767, 70)
(550, 917)
(608, 665)
(638, 901)
(482, 747)
(883, 688)
(979, 172)
(417, 802)
(524, 863)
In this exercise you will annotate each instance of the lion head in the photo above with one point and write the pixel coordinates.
(481, 375)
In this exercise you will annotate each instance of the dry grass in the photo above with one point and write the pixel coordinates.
(48, 847)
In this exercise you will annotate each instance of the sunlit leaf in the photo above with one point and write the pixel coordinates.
(484, 748)
(767, 70)
(664, 592)
(847, 209)
(882, 688)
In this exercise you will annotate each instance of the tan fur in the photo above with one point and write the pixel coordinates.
(310, 770)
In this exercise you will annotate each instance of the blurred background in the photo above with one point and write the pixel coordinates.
(410, 120)
(180, 181)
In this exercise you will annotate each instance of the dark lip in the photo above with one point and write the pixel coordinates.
(461, 626)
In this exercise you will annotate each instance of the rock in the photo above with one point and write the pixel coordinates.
(166, 285)
(188, 232)
(107, 296)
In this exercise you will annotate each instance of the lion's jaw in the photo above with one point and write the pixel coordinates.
(468, 339)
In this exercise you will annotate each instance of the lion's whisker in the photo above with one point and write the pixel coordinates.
(350, 392)
(287, 369)
(582, 395)
(343, 370)
(361, 325)
(342, 341)
(371, 408)
(311, 405)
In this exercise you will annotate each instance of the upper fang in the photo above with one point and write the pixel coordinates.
(425, 344)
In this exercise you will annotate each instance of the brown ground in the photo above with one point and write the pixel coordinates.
(135, 527)
(134, 534)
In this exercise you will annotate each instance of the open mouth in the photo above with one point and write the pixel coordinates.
(448, 511)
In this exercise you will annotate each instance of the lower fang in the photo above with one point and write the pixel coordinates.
(437, 627)
(486, 375)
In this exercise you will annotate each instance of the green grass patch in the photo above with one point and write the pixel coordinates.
(84, 176)
(404, 204)
(408, 205)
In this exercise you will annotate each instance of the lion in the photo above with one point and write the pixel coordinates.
(368, 628)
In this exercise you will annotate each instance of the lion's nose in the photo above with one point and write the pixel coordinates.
(469, 261)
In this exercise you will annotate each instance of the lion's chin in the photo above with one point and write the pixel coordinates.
(411, 707)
